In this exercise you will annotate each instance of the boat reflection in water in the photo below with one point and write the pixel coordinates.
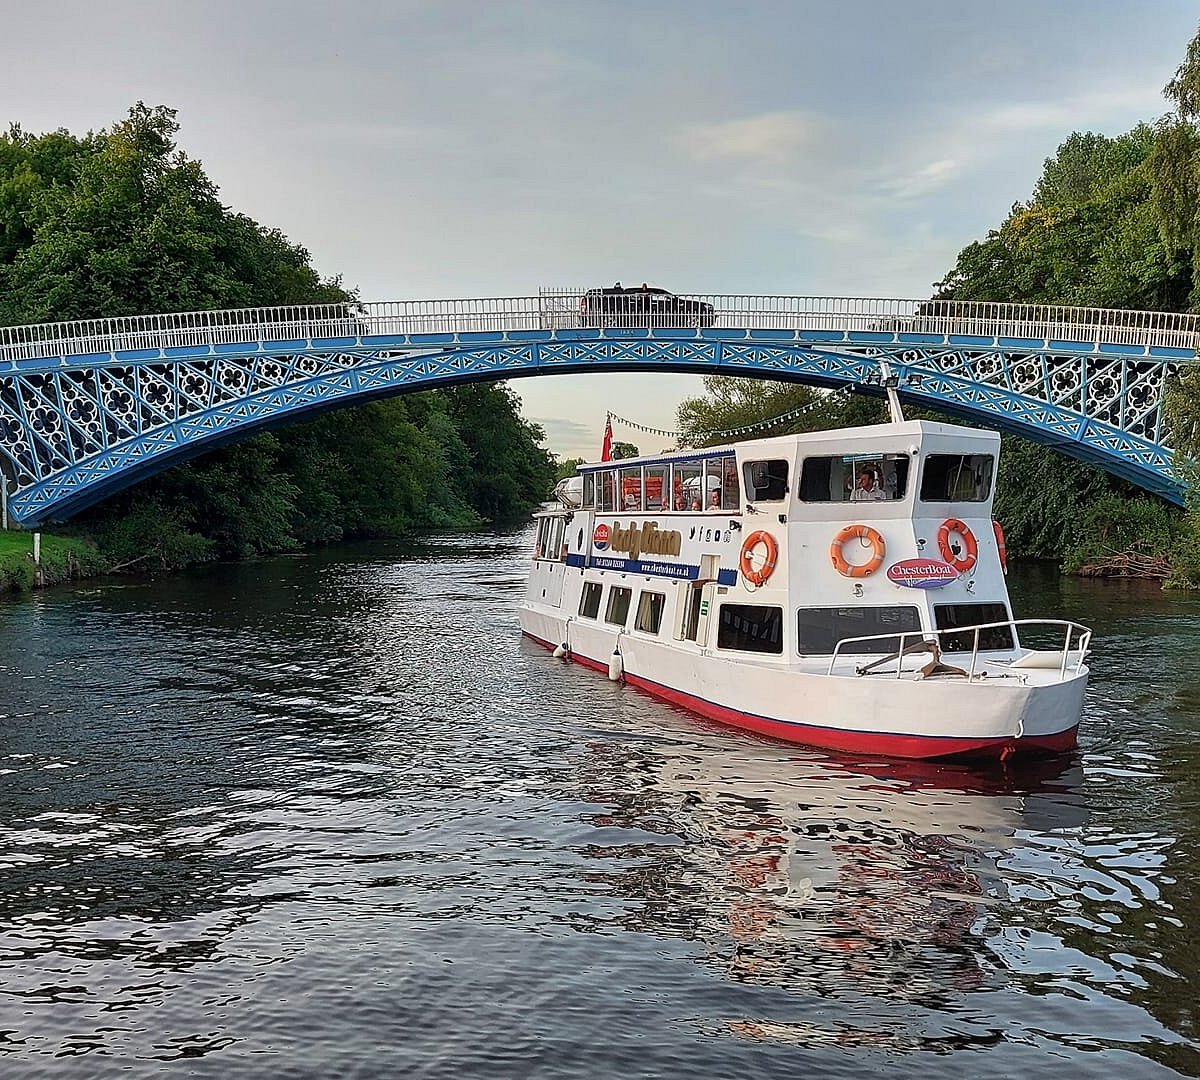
(839, 881)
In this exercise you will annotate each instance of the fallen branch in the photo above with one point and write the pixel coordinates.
(132, 562)
(1128, 564)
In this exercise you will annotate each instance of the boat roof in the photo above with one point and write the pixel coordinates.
(911, 430)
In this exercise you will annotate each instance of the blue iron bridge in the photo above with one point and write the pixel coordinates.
(88, 408)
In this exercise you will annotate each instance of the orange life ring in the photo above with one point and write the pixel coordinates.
(954, 525)
(857, 532)
(759, 576)
(998, 529)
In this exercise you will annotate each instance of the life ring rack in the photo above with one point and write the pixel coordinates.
(857, 532)
(759, 576)
(970, 544)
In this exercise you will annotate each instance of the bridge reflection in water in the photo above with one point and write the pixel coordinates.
(87, 408)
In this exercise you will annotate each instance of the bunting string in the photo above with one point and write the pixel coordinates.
(748, 429)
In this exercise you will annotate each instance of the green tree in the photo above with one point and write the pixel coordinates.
(733, 407)
(121, 222)
(567, 467)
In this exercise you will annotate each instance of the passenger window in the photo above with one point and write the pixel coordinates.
(655, 485)
(608, 491)
(650, 612)
(766, 481)
(820, 629)
(589, 602)
(631, 490)
(618, 606)
(751, 628)
(721, 484)
(957, 478)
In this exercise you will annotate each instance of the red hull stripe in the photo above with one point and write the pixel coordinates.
(855, 742)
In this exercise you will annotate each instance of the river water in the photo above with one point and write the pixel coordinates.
(329, 816)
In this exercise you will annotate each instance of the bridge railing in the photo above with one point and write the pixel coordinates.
(560, 309)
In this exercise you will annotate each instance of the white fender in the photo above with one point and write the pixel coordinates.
(615, 666)
(560, 651)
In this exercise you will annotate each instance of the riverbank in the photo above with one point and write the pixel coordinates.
(63, 558)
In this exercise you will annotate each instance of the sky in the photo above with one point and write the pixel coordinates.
(429, 150)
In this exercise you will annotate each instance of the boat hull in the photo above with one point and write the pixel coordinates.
(926, 719)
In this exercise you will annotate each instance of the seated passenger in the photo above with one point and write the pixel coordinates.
(680, 502)
(696, 504)
(868, 488)
(714, 502)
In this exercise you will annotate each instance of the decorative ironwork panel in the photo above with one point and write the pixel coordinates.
(77, 425)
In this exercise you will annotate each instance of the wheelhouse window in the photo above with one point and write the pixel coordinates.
(951, 616)
(650, 611)
(750, 628)
(618, 606)
(766, 481)
(957, 477)
(589, 490)
(820, 629)
(854, 478)
(589, 602)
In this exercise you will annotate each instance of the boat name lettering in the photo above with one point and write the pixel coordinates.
(647, 537)
(922, 573)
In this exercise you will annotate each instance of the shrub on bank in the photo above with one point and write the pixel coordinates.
(63, 559)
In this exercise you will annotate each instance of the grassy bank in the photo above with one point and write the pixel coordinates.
(63, 559)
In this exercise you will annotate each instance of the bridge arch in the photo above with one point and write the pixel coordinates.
(87, 409)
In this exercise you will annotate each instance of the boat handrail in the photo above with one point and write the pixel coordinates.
(1082, 634)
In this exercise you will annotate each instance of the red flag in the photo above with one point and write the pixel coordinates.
(606, 449)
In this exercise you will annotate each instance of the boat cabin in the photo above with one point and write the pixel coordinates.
(794, 543)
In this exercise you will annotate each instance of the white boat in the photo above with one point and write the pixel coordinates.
(842, 589)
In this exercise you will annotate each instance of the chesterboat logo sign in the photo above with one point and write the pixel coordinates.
(636, 540)
(922, 573)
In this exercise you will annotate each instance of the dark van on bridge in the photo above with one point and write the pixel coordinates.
(642, 306)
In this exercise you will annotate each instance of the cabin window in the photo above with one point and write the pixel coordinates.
(751, 628)
(618, 605)
(589, 602)
(721, 484)
(589, 490)
(543, 546)
(951, 616)
(820, 629)
(957, 478)
(655, 484)
(607, 494)
(687, 485)
(854, 478)
(554, 540)
(650, 611)
(766, 481)
(632, 497)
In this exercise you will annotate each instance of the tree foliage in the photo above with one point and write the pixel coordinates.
(121, 222)
(758, 408)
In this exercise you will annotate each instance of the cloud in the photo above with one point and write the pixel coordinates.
(772, 138)
(925, 180)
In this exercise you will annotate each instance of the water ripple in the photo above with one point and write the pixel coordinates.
(330, 816)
